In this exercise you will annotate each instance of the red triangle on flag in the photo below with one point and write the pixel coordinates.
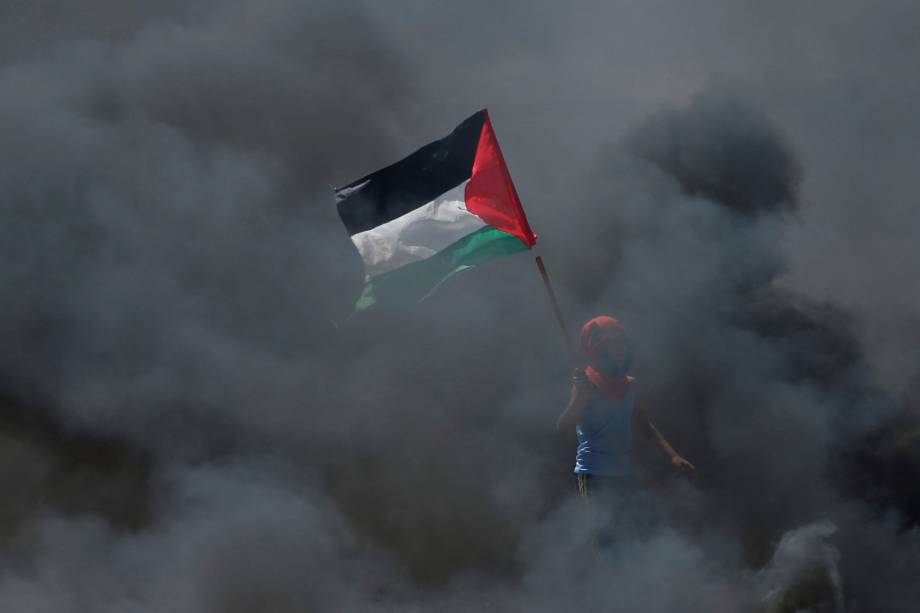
(490, 194)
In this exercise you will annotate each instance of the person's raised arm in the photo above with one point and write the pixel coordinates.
(582, 393)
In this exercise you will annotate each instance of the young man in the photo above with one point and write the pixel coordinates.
(603, 412)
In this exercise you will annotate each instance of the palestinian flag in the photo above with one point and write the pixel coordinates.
(449, 206)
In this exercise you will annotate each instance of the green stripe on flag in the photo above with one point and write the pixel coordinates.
(415, 281)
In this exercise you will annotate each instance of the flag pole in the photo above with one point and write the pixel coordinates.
(558, 313)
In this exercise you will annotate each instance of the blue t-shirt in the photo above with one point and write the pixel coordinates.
(605, 436)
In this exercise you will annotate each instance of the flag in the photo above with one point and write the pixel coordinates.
(449, 206)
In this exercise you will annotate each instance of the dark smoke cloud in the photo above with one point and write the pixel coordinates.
(729, 155)
(185, 429)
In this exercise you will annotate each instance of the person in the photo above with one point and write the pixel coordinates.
(603, 413)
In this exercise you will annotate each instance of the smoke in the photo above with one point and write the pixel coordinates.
(184, 428)
(730, 155)
(803, 572)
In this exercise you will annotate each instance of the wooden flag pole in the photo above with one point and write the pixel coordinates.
(555, 304)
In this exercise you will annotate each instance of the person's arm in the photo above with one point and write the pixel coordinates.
(644, 424)
(582, 393)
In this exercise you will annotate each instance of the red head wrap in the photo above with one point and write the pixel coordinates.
(596, 336)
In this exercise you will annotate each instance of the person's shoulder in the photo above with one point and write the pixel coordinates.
(631, 388)
(584, 387)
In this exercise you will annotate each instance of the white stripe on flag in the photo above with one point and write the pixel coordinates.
(418, 234)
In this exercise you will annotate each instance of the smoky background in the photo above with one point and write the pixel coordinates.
(189, 423)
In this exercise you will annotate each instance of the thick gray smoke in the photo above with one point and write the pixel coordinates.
(183, 428)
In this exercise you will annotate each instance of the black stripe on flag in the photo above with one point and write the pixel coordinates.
(411, 182)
